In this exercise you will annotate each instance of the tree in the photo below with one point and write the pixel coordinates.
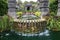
(3, 7)
(53, 7)
(25, 2)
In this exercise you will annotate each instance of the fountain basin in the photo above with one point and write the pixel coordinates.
(29, 26)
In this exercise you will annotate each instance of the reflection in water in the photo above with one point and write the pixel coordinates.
(46, 33)
(17, 36)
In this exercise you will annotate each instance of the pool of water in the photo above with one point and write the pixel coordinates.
(47, 35)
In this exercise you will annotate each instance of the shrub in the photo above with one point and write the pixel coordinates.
(37, 14)
(19, 13)
(5, 23)
(53, 23)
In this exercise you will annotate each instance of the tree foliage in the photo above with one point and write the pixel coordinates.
(3, 7)
(54, 6)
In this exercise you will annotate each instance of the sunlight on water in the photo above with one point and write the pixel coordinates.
(7, 34)
(41, 34)
(46, 33)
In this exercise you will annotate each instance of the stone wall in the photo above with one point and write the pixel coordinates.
(58, 13)
(44, 7)
(12, 8)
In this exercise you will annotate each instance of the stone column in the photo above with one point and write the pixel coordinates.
(44, 7)
(12, 8)
(30, 8)
(58, 13)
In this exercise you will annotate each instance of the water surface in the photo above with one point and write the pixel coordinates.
(48, 35)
